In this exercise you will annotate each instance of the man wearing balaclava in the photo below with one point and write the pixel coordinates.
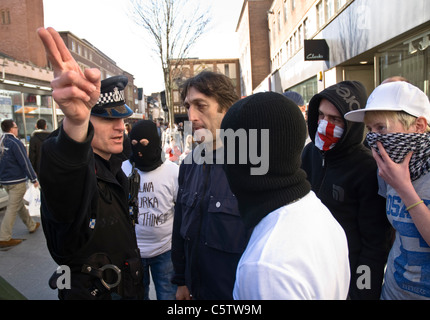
(342, 173)
(297, 250)
(156, 202)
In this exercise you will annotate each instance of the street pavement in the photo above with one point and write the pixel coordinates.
(28, 266)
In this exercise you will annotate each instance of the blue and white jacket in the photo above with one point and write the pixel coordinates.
(15, 166)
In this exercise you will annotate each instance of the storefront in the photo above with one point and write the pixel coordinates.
(307, 89)
(26, 96)
(369, 41)
(410, 59)
(25, 106)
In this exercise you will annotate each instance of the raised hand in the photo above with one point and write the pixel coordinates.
(396, 175)
(76, 92)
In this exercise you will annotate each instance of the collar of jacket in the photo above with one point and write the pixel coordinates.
(106, 170)
(202, 155)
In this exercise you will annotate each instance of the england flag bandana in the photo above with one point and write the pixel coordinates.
(327, 135)
(398, 145)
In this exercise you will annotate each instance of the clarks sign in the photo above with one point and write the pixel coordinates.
(316, 50)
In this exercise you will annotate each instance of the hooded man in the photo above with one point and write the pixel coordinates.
(342, 173)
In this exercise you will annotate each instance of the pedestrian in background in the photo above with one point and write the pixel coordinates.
(297, 250)
(209, 235)
(342, 173)
(397, 115)
(298, 100)
(157, 196)
(15, 171)
(37, 137)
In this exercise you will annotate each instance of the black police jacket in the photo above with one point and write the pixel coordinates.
(85, 218)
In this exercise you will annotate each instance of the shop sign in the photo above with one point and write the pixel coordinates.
(316, 49)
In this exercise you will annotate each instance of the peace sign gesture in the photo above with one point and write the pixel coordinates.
(76, 92)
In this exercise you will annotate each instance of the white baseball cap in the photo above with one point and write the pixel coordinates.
(394, 96)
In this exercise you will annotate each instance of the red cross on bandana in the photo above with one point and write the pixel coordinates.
(327, 135)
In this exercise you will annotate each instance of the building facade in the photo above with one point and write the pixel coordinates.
(254, 44)
(88, 56)
(19, 20)
(190, 67)
(25, 90)
(367, 41)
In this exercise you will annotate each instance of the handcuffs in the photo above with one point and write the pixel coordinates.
(99, 274)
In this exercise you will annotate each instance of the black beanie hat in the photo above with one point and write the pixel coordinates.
(284, 182)
(150, 155)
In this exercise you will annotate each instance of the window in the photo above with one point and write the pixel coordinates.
(176, 96)
(320, 14)
(273, 31)
(300, 36)
(279, 21)
(285, 10)
(305, 29)
(5, 17)
(293, 5)
(340, 3)
(291, 46)
(227, 70)
(330, 8)
(296, 41)
(414, 65)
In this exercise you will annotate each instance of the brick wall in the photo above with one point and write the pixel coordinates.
(18, 37)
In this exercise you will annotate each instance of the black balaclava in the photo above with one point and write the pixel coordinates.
(146, 157)
(284, 181)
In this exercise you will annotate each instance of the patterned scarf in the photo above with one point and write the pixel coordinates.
(327, 135)
(398, 145)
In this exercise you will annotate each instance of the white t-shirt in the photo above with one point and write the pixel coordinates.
(298, 251)
(408, 266)
(157, 197)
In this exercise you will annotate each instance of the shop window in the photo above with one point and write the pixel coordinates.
(307, 89)
(25, 109)
(410, 59)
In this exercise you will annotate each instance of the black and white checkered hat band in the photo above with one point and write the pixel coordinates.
(398, 145)
(111, 97)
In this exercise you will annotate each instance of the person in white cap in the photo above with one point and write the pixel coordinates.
(397, 116)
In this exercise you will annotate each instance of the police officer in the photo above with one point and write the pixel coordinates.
(84, 208)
